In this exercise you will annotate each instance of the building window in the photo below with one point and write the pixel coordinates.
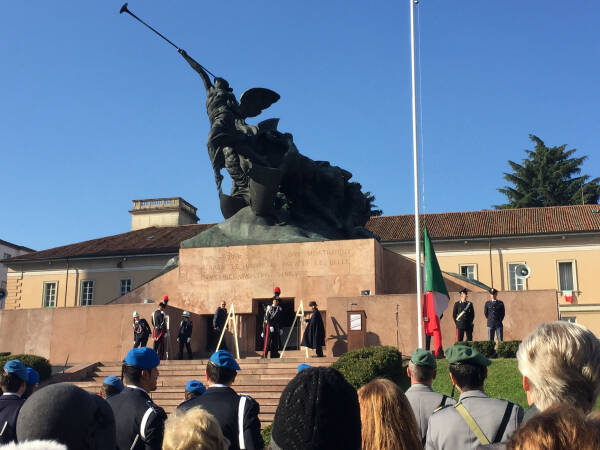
(124, 286)
(515, 283)
(566, 276)
(468, 270)
(49, 295)
(87, 292)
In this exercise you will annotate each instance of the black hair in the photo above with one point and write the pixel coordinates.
(109, 391)
(131, 374)
(468, 376)
(10, 382)
(220, 375)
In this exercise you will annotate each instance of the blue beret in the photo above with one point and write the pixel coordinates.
(142, 358)
(223, 358)
(114, 382)
(301, 367)
(33, 377)
(17, 367)
(195, 386)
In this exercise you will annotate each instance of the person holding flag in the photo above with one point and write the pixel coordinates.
(436, 296)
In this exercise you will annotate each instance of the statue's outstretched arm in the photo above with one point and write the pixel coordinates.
(197, 67)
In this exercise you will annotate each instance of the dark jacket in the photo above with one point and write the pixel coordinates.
(158, 320)
(185, 329)
(314, 334)
(219, 318)
(130, 407)
(141, 329)
(494, 312)
(10, 405)
(466, 320)
(223, 402)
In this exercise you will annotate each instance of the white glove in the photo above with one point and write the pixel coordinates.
(177, 339)
(271, 329)
(262, 335)
(189, 339)
(280, 332)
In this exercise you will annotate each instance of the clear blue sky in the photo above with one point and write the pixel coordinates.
(96, 111)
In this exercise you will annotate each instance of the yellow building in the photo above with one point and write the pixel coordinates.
(559, 245)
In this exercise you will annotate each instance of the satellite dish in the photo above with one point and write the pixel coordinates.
(522, 271)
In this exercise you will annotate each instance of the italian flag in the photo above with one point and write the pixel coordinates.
(436, 295)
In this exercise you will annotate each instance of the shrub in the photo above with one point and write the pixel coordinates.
(4, 354)
(266, 434)
(486, 348)
(42, 365)
(365, 364)
(508, 349)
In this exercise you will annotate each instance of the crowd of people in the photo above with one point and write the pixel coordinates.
(319, 409)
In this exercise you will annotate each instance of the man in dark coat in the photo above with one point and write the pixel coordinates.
(218, 323)
(272, 328)
(141, 331)
(13, 380)
(184, 336)
(463, 315)
(237, 414)
(159, 322)
(314, 334)
(494, 313)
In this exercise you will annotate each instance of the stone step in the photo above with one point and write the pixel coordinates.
(202, 370)
(250, 380)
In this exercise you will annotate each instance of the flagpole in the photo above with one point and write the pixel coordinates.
(416, 177)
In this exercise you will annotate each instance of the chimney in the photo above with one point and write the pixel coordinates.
(162, 212)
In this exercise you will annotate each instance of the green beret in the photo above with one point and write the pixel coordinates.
(422, 357)
(464, 354)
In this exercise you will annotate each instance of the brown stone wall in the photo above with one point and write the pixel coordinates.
(524, 311)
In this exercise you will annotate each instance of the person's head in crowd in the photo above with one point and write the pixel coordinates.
(464, 293)
(303, 366)
(223, 304)
(388, 421)
(313, 305)
(276, 293)
(193, 389)
(421, 367)
(140, 368)
(558, 427)
(493, 294)
(196, 429)
(111, 386)
(221, 368)
(136, 316)
(14, 377)
(69, 415)
(318, 409)
(560, 363)
(468, 367)
(41, 444)
(33, 382)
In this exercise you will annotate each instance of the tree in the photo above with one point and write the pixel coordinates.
(549, 176)
(375, 211)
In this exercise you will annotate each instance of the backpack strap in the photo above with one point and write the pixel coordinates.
(241, 407)
(504, 422)
(442, 403)
(468, 418)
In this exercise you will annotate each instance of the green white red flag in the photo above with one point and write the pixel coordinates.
(436, 298)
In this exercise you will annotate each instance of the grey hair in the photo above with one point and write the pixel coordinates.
(421, 373)
(561, 360)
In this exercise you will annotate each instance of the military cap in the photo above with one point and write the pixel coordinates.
(422, 357)
(223, 358)
(16, 367)
(302, 367)
(312, 303)
(142, 358)
(33, 377)
(114, 382)
(464, 354)
(195, 386)
(493, 291)
(464, 291)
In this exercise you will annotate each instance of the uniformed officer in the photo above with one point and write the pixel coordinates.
(13, 381)
(140, 422)
(193, 389)
(463, 315)
(218, 322)
(423, 399)
(184, 335)
(111, 386)
(476, 418)
(494, 313)
(237, 414)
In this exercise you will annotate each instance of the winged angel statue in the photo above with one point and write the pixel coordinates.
(268, 173)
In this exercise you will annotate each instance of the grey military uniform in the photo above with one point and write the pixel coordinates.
(424, 401)
(447, 430)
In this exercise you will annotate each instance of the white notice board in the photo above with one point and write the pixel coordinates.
(355, 322)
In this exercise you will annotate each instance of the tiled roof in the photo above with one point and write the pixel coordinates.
(16, 247)
(152, 240)
(491, 223)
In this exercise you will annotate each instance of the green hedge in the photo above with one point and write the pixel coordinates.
(486, 348)
(266, 434)
(4, 354)
(507, 349)
(363, 365)
(42, 365)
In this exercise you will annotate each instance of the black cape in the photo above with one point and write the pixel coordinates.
(314, 334)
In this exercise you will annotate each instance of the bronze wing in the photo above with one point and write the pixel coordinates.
(255, 100)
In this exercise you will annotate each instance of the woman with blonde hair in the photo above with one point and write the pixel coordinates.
(388, 421)
(196, 429)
